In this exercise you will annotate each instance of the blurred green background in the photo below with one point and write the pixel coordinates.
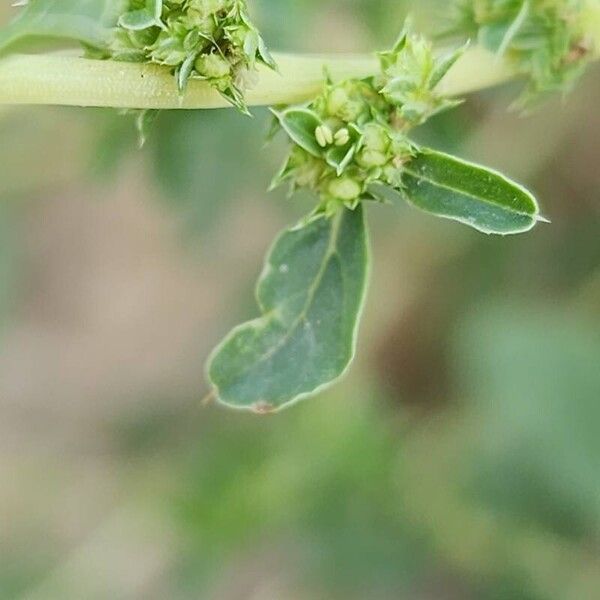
(459, 460)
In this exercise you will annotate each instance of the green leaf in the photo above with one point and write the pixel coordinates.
(265, 55)
(444, 64)
(300, 124)
(86, 21)
(137, 20)
(185, 71)
(311, 294)
(455, 189)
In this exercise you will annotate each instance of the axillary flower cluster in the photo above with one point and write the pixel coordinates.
(546, 40)
(354, 135)
(211, 40)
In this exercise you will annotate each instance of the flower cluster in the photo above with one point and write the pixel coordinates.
(354, 135)
(212, 40)
(545, 39)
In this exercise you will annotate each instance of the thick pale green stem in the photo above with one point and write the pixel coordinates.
(74, 81)
(69, 80)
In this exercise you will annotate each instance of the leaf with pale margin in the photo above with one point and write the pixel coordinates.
(300, 124)
(452, 188)
(143, 18)
(265, 54)
(86, 21)
(311, 294)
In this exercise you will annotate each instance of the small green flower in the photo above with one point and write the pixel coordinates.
(412, 73)
(212, 66)
(354, 134)
(344, 188)
(213, 40)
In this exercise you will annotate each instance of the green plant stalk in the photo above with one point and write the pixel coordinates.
(62, 79)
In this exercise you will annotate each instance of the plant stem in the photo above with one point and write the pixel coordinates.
(69, 80)
(64, 79)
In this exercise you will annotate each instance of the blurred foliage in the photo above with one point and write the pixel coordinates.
(320, 486)
(187, 150)
(552, 428)
(8, 262)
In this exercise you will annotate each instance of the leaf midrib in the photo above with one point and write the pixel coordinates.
(468, 194)
(330, 251)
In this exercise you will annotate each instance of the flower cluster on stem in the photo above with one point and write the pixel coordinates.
(211, 40)
(548, 41)
(354, 134)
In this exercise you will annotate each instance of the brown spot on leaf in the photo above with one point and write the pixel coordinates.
(263, 408)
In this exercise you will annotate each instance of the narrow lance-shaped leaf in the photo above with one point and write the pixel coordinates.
(311, 295)
(515, 27)
(444, 65)
(449, 187)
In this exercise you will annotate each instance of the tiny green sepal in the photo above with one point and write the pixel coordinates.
(484, 199)
(311, 295)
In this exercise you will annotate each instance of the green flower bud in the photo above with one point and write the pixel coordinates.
(337, 101)
(205, 25)
(372, 158)
(168, 52)
(376, 137)
(209, 7)
(212, 66)
(239, 36)
(307, 170)
(344, 188)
